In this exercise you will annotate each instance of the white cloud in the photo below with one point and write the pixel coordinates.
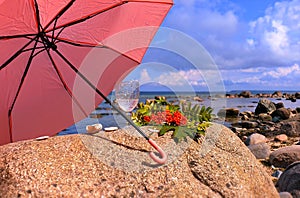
(145, 77)
(277, 33)
(277, 39)
(283, 71)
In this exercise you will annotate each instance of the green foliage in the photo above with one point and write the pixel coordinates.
(197, 118)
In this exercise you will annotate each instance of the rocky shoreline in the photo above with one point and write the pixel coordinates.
(272, 134)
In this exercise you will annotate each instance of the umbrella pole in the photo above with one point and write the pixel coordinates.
(163, 158)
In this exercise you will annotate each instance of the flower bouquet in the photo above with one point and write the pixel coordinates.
(187, 121)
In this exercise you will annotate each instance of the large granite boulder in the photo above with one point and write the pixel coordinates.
(116, 164)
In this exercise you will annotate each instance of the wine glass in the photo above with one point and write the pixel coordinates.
(127, 95)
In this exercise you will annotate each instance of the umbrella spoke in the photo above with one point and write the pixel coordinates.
(65, 84)
(17, 36)
(19, 89)
(101, 94)
(60, 13)
(80, 20)
(15, 55)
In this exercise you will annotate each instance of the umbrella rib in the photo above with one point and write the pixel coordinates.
(83, 18)
(65, 84)
(19, 89)
(101, 94)
(16, 36)
(97, 46)
(15, 55)
(61, 12)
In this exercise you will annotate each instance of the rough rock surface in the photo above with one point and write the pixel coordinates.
(117, 164)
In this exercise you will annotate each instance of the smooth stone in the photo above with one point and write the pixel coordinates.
(283, 113)
(285, 156)
(281, 138)
(285, 195)
(260, 151)
(255, 138)
(249, 124)
(289, 180)
(229, 113)
(264, 117)
(291, 129)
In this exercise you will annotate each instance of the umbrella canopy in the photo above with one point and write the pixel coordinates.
(43, 45)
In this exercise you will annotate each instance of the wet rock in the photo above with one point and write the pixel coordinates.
(264, 106)
(297, 95)
(249, 124)
(198, 99)
(229, 113)
(277, 94)
(245, 94)
(260, 151)
(289, 180)
(279, 105)
(281, 138)
(291, 129)
(264, 117)
(255, 138)
(285, 156)
(282, 113)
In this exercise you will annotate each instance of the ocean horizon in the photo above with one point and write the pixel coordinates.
(105, 115)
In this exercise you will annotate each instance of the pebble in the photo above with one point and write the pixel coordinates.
(281, 138)
(91, 129)
(109, 129)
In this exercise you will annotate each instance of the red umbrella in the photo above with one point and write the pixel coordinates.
(43, 46)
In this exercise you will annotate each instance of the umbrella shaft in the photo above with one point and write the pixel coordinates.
(101, 94)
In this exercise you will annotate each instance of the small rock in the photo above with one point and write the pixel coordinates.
(291, 129)
(264, 106)
(279, 105)
(255, 138)
(285, 156)
(245, 94)
(249, 124)
(283, 113)
(289, 180)
(281, 138)
(229, 113)
(264, 117)
(260, 151)
(285, 195)
(277, 94)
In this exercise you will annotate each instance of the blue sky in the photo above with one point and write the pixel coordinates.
(255, 45)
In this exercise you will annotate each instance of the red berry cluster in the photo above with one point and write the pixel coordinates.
(166, 117)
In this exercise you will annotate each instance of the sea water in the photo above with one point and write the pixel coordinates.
(109, 117)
